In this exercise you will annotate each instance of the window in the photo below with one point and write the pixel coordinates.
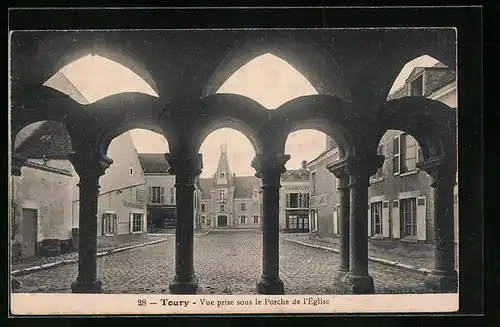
(109, 223)
(417, 86)
(297, 200)
(172, 195)
(221, 208)
(396, 158)
(131, 171)
(376, 212)
(380, 172)
(209, 221)
(202, 219)
(243, 219)
(409, 217)
(136, 222)
(139, 195)
(255, 219)
(156, 194)
(243, 207)
(203, 207)
(313, 182)
(222, 194)
(255, 193)
(45, 137)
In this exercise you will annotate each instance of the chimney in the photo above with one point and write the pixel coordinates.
(304, 164)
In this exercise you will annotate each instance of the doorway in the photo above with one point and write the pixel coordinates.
(29, 231)
(222, 221)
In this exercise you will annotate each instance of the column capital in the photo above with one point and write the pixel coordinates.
(356, 167)
(90, 162)
(441, 169)
(269, 163)
(190, 165)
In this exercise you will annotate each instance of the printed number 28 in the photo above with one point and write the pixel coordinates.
(141, 302)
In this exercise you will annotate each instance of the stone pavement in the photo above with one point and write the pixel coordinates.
(17, 264)
(225, 263)
(419, 255)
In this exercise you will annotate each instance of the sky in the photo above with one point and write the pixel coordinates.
(267, 79)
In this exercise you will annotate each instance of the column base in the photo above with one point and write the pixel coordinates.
(86, 287)
(185, 286)
(270, 286)
(442, 281)
(360, 284)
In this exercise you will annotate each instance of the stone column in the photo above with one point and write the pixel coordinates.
(339, 169)
(270, 168)
(15, 170)
(90, 165)
(444, 277)
(185, 168)
(360, 169)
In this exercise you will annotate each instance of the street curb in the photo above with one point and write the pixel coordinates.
(423, 271)
(29, 270)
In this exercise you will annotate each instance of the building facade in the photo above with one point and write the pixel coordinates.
(294, 216)
(121, 211)
(41, 197)
(161, 193)
(230, 201)
(400, 198)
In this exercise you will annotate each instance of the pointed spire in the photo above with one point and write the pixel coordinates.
(223, 166)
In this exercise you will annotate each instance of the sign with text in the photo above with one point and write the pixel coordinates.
(319, 200)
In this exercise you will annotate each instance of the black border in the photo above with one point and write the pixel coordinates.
(467, 20)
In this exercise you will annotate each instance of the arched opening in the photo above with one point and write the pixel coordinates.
(92, 78)
(269, 80)
(401, 217)
(230, 192)
(426, 76)
(42, 196)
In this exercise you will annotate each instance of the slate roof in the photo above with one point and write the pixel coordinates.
(244, 186)
(153, 163)
(206, 184)
(438, 76)
(50, 140)
(299, 175)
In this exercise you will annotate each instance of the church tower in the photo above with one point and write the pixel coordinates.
(223, 174)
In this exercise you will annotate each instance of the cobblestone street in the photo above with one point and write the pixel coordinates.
(225, 263)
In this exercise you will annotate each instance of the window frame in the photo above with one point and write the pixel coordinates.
(222, 208)
(137, 217)
(377, 205)
(243, 207)
(396, 155)
(255, 219)
(203, 207)
(243, 219)
(109, 226)
(408, 206)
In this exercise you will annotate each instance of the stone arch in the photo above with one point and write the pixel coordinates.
(231, 111)
(80, 44)
(316, 64)
(323, 113)
(430, 122)
(127, 125)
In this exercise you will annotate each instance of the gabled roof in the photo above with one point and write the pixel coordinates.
(50, 140)
(153, 163)
(206, 184)
(300, 175)
(438, 76)
(245, 185)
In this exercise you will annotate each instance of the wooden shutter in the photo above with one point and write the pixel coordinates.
(369, 220)
(130, 222)
(396, 152)
(150, 195)
(162, 194)
(421, 219)
(103, 227)
(287, 200)
(396, 220)
(335, 222)
(385, 219)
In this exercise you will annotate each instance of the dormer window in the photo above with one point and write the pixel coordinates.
(417, 86)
